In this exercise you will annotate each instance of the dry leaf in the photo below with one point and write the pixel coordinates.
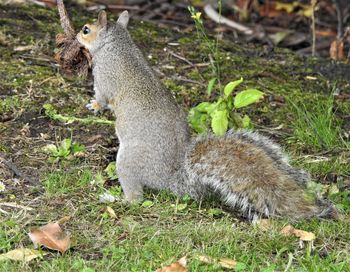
(206, 259)
(22, 254)
(223, 262)
(227, 263)
(287, 230)
(179, 266)
(301, 234)
(51, 236)
(304, 235)
(336, 51)
(111, 212)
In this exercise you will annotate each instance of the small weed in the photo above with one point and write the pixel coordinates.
(65, 151)
(219, 114)
(222, 114)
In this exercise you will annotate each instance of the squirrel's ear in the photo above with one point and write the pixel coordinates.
(123, 18)
(102, 18)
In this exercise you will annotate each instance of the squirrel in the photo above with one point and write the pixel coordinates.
(247, 171)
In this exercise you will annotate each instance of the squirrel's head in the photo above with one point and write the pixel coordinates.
(91, 34)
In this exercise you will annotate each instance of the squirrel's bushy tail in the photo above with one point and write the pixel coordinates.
(252, 175)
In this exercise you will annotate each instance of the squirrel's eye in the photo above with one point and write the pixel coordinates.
(86, 30)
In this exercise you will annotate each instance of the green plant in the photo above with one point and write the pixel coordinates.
(65, 150)
(221, 114)
(111, 171)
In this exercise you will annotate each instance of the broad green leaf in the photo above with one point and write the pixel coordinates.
(231, 86)
(211, 85)
(66, 144)
(246, 122)
(62, 152)
(198, 121)
(229, 103)
(203, 107)
(219, 121)
(247, 97)
(147, 203)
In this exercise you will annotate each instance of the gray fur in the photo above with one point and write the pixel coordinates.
(155, 146)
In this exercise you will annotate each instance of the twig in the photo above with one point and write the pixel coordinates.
(15, 205)
(204, 64)
(187, 80)
(340, 28)
(313, 27)
(215, 16)
(178, 56)
(65, 22)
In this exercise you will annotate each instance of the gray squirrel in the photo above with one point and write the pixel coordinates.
(247, 171)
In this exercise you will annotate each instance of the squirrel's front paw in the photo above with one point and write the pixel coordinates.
(94, 106)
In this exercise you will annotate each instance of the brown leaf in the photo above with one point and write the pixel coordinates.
(111, 212)
(179, 266)
(206, 259)
(336, 51)
(301, 234)
(51, 236)
(287, 230)
(304, 235)
(227, 263)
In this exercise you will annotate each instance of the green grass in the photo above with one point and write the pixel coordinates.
(316, 125)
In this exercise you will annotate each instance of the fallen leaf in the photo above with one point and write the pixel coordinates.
(206, 259)
(304, 235)
(51, 236)
(227, 263)
(287, 230)
(223, 262)
(123, 236)
(179, 266)
(22, 254)
(111, 212)
(301, 234)
(336, 50)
